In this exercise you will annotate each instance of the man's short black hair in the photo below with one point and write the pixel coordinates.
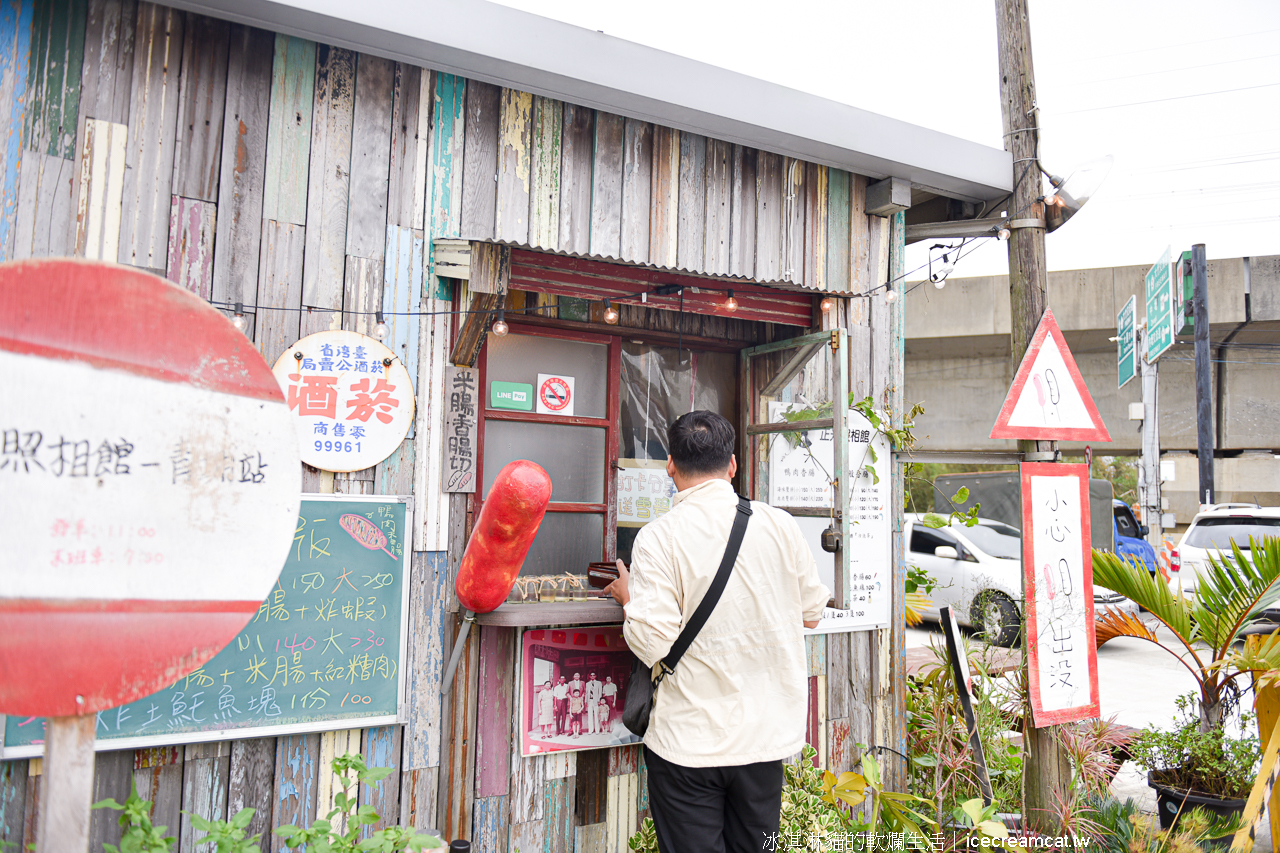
(701, 442)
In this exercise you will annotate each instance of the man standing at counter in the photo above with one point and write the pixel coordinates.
(735, 705)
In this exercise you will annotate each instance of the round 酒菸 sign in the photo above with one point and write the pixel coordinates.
(149, 484)
(352, 399)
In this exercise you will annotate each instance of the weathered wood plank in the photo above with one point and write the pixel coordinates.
(206, 778)
(815, 226)
(153, 123)
(514, 166)
(192, 225)
(329, 784)
(280, 286)
(43, 227)
(293, 77)
(363, 294)
(457, 768)
(592, 779)
(31, 807)
(544, 179)
(840, 746)
(770, 206)
(840, 675)
(418, 795)
(606, 185)
(444, 214)
(328, 192)
(590, 839)
(382, 749)
(742, 213)
(859, 236)
(370, 157)
(100, 190)
(406, 188)
(296, 776)
(815, 648)
(107, 72)
(692, 204)
(431, 518)
(402, 295)
(637, 190)
(793, 182)
(642, 791)
(13, 800)
(577, 143)
(877, 257)
(622, 760)
(837, 231)
(558, 816)
(717, 228)
(664, 197)
(253, 771)
(560, 765)
(480, 161)
(849, 687)
(53, 83)
(242, 173)
(202, 100)
(491, 830)
(495, 712)
(528, 837)
(527, 782)
(15, 57)
(620, 819)
(112, 777)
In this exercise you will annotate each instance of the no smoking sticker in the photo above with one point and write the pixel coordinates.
(555, 394)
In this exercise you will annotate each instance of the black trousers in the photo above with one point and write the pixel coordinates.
(714, 809)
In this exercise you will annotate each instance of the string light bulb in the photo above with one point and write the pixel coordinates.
(380, 331)
(500, 327)
(610, 313)
(1052, 200)
(1004, 233)
(731, 304)
(827, 304)
(890, 295)
(239, 320)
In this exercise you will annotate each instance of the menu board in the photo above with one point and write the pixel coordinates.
(801, 475)
(645, 491)
(323, 652)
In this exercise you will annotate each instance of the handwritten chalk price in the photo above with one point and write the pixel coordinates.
(366, 533)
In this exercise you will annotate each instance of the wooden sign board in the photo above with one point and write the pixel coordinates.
(324, 651)
(1057, 571)
(461, 428)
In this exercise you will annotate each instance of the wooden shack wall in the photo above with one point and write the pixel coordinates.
(309, 180)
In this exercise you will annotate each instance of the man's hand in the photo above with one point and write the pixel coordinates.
(618, 589)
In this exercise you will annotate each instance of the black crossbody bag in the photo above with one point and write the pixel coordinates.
(643, 687)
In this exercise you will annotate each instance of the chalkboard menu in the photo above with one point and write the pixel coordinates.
(323, 652)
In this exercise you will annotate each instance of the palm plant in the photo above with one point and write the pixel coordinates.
(1229, 596)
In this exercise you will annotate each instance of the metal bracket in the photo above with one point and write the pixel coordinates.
(1042, 456)
(835, 339)
(1026, 223)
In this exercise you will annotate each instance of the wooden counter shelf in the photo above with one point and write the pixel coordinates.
(545, 614)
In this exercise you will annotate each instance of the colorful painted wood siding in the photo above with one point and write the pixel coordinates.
(309, 182)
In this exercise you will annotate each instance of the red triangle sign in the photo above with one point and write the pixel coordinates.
(1048, 398)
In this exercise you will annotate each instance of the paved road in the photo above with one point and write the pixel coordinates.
(1137, 683)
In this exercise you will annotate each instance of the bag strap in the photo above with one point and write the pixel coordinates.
(709, 601)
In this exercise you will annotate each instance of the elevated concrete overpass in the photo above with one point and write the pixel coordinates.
(959, 366)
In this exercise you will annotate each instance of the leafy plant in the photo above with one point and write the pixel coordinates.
(972, 814)
(139, 836)
(339, 830)
(1187, 758)
(1230, 595)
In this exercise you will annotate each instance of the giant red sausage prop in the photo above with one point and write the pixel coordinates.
(507, 525)
(499, 542)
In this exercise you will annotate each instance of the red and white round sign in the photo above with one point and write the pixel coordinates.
(149, 484)
(555, 394)
(353, 399)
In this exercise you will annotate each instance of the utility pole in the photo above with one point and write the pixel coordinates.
(1204, 399)
(1046, 767)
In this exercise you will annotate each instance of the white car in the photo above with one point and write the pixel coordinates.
(979, 575)
(1212, 532)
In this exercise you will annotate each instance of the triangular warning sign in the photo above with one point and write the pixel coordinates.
(1048, 398)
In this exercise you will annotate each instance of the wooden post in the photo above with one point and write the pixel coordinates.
(1046, 766)
(68, 784)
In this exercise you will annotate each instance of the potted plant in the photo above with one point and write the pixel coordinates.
(1230, 596)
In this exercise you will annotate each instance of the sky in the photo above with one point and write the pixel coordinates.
(1185, 96)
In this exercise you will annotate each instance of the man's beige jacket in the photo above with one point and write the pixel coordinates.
(738, 696)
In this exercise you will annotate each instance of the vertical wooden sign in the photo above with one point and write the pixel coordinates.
(461, 423)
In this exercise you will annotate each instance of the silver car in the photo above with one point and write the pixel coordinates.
(979, 575)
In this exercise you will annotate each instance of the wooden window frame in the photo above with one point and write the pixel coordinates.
(611, 423)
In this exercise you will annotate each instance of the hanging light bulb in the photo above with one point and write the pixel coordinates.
(1003, 233)
(610, 313)
(890, 296)
(1052, 200)
(500, 327)
(939, 276)
(239, 320)
(827, 304)
(731, 304)
(380, 331)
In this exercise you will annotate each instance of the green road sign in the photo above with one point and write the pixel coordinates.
(1127, 342)
(511, 395)
(1163, 311)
